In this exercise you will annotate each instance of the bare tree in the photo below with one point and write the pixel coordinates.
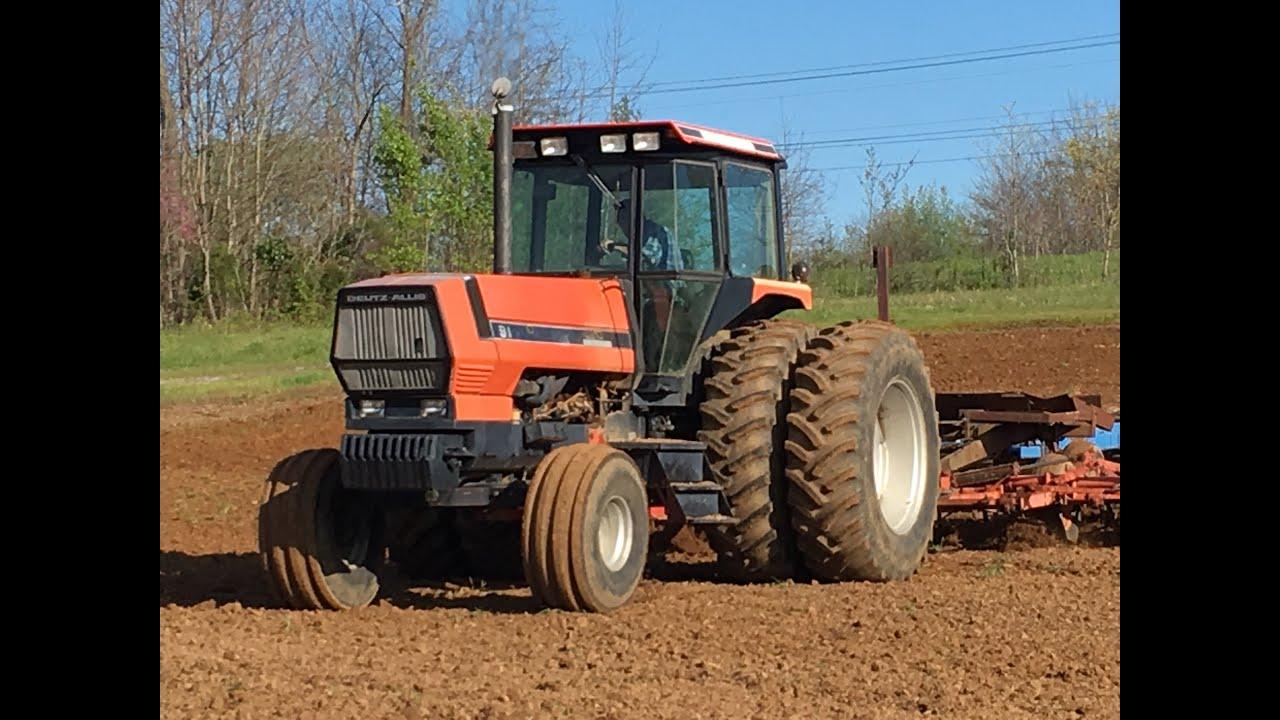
(1055, 190)
(804, 194)
(880, 185)
(1093, 156)
(626, 70)
(1005, 192)
(354, 56)
(410, 23)
(268, 127)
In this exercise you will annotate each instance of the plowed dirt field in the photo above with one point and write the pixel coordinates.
(1019, 634)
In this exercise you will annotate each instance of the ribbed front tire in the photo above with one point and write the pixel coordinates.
(585, 535)
(321, 544)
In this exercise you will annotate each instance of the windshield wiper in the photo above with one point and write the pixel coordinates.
(595, 179)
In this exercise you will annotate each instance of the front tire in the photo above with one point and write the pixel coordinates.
(585, 534)
(863, 454)
(321, 544)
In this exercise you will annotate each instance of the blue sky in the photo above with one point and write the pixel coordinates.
(696, 40)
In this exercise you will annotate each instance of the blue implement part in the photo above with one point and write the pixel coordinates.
(1104, 439)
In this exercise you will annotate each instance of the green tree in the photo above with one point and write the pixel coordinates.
(438, 184)
(926, 224)
(624, 110)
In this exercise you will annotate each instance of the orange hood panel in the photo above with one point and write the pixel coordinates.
(543, 323)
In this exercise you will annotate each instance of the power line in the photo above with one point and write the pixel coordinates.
(883, 62)
(931, 162)
(906, 140)
(934, 122)
(876, 71)
(927, 135)
(842, 91)
(911, 140)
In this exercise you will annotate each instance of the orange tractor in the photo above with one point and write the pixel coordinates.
(621, 369)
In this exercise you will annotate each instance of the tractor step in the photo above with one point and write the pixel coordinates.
(673, 469)
(717, 519)
(703, 486)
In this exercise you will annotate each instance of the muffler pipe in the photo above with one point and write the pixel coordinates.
(502, 170)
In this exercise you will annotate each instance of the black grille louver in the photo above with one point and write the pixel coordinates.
(386, 462)
(386, 342)
(394, 378)
(391, 332)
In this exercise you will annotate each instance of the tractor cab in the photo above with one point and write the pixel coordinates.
(686, 217)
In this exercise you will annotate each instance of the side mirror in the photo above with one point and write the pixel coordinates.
(800, 272)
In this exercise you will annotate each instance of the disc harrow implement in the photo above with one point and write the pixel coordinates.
(1004, 460)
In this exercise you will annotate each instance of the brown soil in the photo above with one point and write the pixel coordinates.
(1031, 634)
(1036, 360)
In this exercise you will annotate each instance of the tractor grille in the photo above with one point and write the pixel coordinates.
(391, 378)
(390, 332)
(390, 345)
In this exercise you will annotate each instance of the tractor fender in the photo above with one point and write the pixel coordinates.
(744, 299)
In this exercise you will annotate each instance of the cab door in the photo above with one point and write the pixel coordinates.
(679, 267)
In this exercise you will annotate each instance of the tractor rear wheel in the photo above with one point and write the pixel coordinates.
(321, 544)
(744, 427)
(862, 453)
(585, 533)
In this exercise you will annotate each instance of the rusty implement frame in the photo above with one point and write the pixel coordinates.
(980, 427)
(1093, 481)
(979, 471)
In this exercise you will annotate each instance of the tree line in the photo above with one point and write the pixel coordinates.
(1050, 188)
(305, 143)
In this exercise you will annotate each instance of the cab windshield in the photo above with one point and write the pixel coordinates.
(561, 221)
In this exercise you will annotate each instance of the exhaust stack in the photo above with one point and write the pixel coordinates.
(502, 169)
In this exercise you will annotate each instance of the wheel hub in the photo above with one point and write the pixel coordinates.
(898, 462)
(614, 536)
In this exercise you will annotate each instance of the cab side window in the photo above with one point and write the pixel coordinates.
(753, 226)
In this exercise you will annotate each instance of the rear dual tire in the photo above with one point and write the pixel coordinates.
(862, 454)
(744, 426)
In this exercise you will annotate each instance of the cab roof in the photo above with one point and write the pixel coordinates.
(687, 133)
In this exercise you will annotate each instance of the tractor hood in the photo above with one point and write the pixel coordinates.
(476, 335)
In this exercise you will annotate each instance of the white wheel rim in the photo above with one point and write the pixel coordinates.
(897, 459)
(613, 538)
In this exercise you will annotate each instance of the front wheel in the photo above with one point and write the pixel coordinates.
(321, 544)
(585, 535)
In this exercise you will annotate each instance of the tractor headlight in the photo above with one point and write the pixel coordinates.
(553, 146)
(645, 141)
(435, 408)
(372, 408)
(613, 143)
